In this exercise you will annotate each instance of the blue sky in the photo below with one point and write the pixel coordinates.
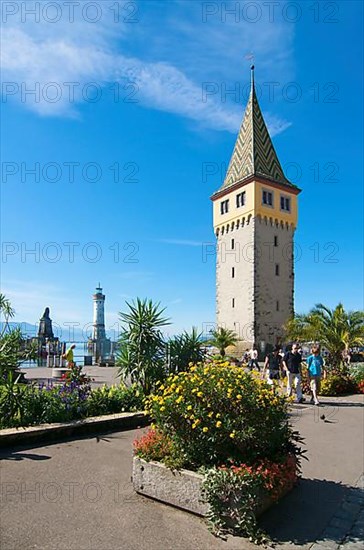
(126, 165)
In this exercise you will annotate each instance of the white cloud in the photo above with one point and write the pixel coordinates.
(35, 55)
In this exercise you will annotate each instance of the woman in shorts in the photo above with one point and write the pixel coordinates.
(314, 365)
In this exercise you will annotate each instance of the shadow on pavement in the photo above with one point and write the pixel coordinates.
(15, 455)
(302, 515)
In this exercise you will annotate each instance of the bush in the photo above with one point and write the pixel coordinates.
(357, 372)
(217, 412)
(31, 405)
(232, 427)
(336, 384)
(114, 399)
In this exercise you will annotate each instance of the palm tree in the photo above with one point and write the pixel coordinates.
(222, 338)
(184, 349)
(335, 329)
(141, 343)
(6, 311)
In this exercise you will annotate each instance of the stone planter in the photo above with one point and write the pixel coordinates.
(181, 488)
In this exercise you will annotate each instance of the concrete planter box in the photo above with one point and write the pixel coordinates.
(181, 488)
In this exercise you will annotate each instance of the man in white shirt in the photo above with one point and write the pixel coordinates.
(253, 363)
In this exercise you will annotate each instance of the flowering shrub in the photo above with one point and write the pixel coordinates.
(357, 372)
(231, 426)
(71, 400)
(115, 399)
(335, 384)
(235, 493)
(217, 412)
(153, 446)
(361, 386)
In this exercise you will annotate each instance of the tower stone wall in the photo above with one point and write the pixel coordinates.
(235, 250)
(273, 291)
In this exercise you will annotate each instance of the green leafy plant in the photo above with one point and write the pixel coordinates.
(335, 329)
(141, 355)
(222, 338)
(184, 349)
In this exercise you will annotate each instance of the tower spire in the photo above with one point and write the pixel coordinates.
(254, 153)
(252, 77)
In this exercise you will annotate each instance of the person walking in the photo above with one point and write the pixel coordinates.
(253, 361)
(292, 365)
(69, 356)
(273, 365)
(314, 364)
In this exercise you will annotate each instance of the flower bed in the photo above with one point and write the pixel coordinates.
(230, 427)
(30, 405)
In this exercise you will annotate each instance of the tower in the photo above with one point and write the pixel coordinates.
(98, 332)
(99, 346)
(255, 216)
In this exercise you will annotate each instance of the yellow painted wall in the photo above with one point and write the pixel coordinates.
(275, 212)
(234, 212)
(253, 205)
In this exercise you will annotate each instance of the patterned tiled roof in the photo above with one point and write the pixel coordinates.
(254, 154)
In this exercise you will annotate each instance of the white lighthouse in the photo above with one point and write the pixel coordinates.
(99, 346)
(98, 332)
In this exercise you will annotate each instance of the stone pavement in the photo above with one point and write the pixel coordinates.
(77, 494)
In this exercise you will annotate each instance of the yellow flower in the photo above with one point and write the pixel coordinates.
(179, 399)
(210, 414)
(218, 424)
(232, 435)
(218, 415)
(205, 429)
(199, 394)
(239, 397)
(163, 409)
(189, 408)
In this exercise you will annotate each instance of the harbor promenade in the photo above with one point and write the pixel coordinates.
(99, 375)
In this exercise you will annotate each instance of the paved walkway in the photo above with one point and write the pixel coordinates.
(100, 375)
(77, 495)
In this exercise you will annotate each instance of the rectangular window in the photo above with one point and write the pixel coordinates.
(267, 198)
(233, 302)
(277, 269)
(224, 207)
(232, 244)
(285, 203)
(233, 272)
(240, 199)
(275, 240)
(277, 305)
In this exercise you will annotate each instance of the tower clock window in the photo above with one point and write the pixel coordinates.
(240, 199)
(285, 203)
(267, 198)
(275, 240)
(233, 272)
(277, 269)
(232, 244)
(224, 207)
(233, 302)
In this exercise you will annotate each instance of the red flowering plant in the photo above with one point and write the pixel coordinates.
(152, 446)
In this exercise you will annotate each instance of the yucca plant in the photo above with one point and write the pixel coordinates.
(141, 355)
